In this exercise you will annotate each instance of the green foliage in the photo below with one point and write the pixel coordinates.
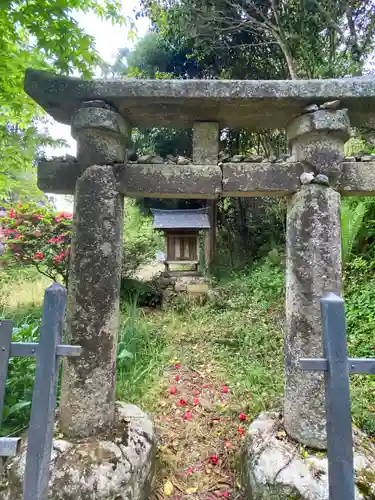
(42, 34)
(140, 240)
(352, 216)
(140, 357)
(359, 282)
(20, 380)
(36, 236)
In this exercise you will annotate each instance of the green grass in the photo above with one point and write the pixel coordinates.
(142, 351)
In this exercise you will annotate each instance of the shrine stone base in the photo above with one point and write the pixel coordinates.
(277, 468)
(114, 467)
(190, 288)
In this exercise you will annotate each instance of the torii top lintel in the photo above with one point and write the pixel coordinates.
(250, 104)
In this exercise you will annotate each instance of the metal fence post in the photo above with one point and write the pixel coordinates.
(41, 428)
(6, 329)
(337, 400)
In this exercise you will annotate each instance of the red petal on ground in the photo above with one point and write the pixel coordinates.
(225, 389)
(243, 417)
(188, 415)
(195, 401)
(177, 378)
(173, 390)
(214, 459)
(177, 366)
(205, 386)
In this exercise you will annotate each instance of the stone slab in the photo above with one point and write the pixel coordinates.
(235, 179)
(58, 177)
(137, 180)
(261, 179)
(169, 181)
(251, 104)
(357, 179)
(197, 288)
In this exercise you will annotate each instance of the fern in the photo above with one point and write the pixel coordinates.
(351, 223)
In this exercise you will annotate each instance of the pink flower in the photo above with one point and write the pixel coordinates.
(39, 217)
(58, 218)
(12, 213)
(38, 256)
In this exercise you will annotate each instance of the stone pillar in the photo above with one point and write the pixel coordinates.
(313, 265)
(206, 152)
(88, 386)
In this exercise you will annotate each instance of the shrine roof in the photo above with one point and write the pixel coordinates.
(251, 104)
(181, 219)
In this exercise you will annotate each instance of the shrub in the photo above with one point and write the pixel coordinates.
(36, 236)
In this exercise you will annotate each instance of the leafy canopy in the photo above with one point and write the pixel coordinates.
(42, 34)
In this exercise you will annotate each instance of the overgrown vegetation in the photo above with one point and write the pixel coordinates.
(235, 340)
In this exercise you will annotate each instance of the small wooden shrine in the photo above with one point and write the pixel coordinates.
(181, 229)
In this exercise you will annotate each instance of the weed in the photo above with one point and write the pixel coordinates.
(141, 352)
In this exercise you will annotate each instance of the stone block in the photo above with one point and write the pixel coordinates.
(102, 135)
(276, 470)
(205, 143)
(318, 139)
(169, 181)
(117, 465)
(197, 288)
(261, 179)
(336, 122)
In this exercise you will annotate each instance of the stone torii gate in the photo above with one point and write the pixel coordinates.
(317, 115)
